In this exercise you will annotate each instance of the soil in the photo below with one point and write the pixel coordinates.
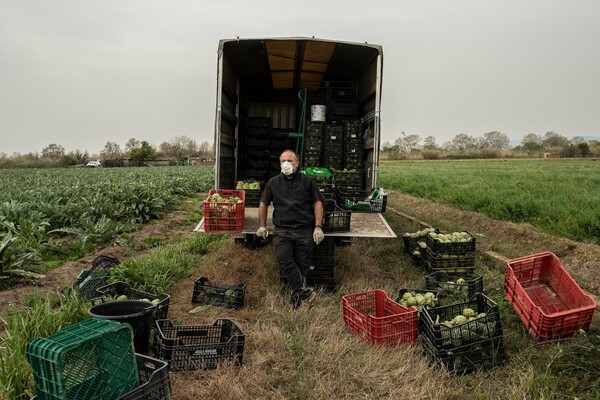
(504, 239)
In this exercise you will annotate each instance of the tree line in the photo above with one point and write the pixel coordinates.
(176, 149)
(491, 145)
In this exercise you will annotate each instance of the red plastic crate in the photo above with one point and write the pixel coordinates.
(375, 318)
(224, 216)
(546, 298)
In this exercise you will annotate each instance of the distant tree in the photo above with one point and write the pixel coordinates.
(112, 151)
(390, 152)
(179, 147)
(429, 143)
(131, 145)
(143, 153)
(79, 157)
(531, 138)
(555, 140)
(532, 143)
(494, 141)
(53, 151)
(584, 149)
(407, 143)
(462, 143)
(577, 140)
(206, 150)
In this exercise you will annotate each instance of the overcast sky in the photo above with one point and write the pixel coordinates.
(79, 73)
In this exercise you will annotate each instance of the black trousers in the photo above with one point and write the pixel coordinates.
(294, 250)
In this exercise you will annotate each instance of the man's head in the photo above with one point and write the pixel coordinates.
(288, 156)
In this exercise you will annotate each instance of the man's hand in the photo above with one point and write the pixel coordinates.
(318, 235)
(262, 232)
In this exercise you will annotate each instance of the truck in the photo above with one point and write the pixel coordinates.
(319, 97)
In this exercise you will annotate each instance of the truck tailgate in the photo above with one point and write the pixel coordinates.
(361, 225)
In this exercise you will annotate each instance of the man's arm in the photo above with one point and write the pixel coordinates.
(318, 207)
(262, 214)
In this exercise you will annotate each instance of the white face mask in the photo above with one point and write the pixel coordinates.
(286, 168)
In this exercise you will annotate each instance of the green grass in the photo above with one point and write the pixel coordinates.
(560, 197)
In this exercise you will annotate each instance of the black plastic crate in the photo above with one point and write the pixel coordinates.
(347, 179)
(88, 281)
(113, 290)
(482, 355)
(455, 287)
(252, 198)
(411, 243)
(327, 285)
(438, 247)
(192, 347)
(342, 95)
(362, 200)
(221, 296)
(154, 375)
(456, 262)
(485, 323)
(335, 219)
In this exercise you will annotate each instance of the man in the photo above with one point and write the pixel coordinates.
(297, 216)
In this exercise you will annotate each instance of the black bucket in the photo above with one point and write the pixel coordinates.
(137, 313)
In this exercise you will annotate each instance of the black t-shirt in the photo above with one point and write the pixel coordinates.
(293, 200)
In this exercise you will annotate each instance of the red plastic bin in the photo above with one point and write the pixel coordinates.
(224, 217)
(546, 297)
(375, 318)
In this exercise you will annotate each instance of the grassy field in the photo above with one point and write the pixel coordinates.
(560, 197)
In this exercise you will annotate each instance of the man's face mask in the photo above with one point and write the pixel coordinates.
(287, 168)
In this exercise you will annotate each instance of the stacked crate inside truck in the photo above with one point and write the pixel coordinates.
(280, 141)
(321, 273)
(313, 144)
(332, 149)
(353, 146)
(256, 165)
(342, 103)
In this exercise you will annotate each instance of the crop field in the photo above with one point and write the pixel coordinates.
(49, 215)
(560, 197)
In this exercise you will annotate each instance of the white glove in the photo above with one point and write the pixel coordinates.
(318, 235)
(262, 232)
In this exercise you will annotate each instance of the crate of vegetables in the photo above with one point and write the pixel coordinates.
(481, 355)
(124, 291)
(459, 324)
(454, 287)
(362, 200)
(192, 347)
(451, 262)
(224, 211)
(377, 319)
(206, 292)
(411, 240)
(547, 299)
(447, 243)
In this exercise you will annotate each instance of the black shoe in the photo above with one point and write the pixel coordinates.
(301, 296)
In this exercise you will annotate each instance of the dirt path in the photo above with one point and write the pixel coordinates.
(506, 238)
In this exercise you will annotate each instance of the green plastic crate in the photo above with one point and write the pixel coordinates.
(94, 359)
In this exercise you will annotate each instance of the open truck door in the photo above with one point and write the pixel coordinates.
(319, 97)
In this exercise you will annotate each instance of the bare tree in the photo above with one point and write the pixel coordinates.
(577, 140)
(494, 141)
(531, 138)
(131, 145)
(112, 151)
(408, 143)
(462, 143)
(553, 139)
(429, 143)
